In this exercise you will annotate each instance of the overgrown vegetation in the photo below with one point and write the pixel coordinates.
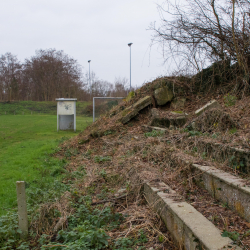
(208, 40)
(230, 100)
(154, 133)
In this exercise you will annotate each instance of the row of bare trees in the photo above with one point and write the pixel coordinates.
(51, 74)
(198, 33)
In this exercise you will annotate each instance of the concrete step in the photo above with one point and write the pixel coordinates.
(221, 185)
(238, 158)
(189, 228)
(147, 128)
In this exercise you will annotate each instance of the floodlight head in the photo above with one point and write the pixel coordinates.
(89, 61)
(130, 44)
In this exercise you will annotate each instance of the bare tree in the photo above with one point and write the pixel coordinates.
(10, 71)
(196, 33)
(53, 74)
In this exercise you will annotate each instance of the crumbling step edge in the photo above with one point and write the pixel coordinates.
(189, 228)
(225, 187)
(221, 153)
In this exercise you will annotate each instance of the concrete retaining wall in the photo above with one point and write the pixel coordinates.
(225, 187)
(238, 158)
(189, 228)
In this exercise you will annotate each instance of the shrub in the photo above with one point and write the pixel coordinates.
(229, 100)
(154, 133)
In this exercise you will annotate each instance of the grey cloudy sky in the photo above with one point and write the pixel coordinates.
(96, 30)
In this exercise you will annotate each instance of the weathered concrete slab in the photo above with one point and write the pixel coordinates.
(190, 229)
(209, 105)
(163, 95)
(116, 110)
(227, 188)
(178, 103)
(237, 157)
(146, 128)
(167, 119)
(221, 185)
(130, 112)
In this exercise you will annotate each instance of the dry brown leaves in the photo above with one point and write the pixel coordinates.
(48, 222)
(133, 154)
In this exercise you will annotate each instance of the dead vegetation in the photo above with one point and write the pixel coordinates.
(109, 161)
(133, 154)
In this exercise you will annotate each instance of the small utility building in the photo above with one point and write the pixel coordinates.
(66, 113)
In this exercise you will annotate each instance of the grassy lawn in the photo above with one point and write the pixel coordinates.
(25, 144)
(26, 107)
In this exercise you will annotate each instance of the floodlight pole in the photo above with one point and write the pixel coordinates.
(89, 78)
(130, 65)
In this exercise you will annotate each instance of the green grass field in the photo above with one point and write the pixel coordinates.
(26, 107)
(26, 142)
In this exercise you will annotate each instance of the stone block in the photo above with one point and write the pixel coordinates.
(178, 103)
(167, 120)
(163, 95)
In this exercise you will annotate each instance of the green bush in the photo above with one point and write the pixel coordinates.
(233, 130)
(154, 133)
(232, 235)
(9, 232)
(229, 100)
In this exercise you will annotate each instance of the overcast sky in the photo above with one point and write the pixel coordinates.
(96, 30)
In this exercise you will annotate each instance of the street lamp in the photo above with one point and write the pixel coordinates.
(89, 76)
(130, 65)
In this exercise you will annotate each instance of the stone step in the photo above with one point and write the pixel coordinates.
(189, 228)
(147, 128)
(167, 119)
(221, 185)
(237, 157)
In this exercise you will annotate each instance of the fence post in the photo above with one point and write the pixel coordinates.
(22, 208)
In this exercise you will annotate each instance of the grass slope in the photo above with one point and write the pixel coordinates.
(25, 144)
